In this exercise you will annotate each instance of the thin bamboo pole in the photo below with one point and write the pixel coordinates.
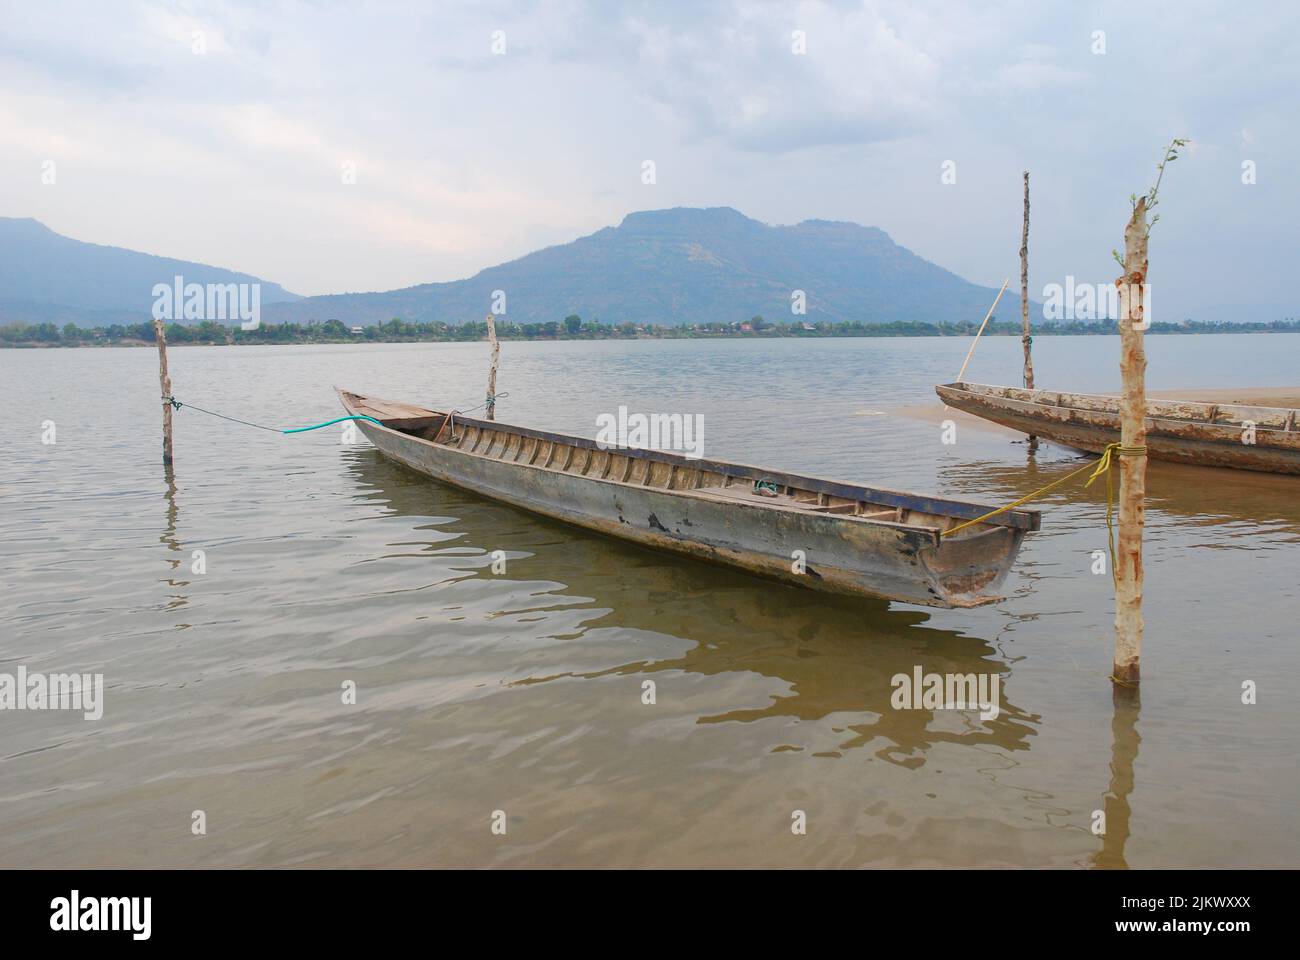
(1132, 468)
(492, 372)
(165, 382)
(1025, 338)
(971, 351)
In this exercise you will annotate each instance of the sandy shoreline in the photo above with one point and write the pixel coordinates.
(1250, 396)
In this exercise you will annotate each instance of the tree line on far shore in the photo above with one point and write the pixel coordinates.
(572, 327)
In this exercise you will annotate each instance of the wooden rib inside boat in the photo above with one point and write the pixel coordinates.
(852, 539)
(1184, 431)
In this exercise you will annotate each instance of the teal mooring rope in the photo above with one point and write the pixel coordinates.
(328, 422)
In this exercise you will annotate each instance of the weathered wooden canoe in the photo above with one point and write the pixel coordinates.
(855, 539)
(1185, 431)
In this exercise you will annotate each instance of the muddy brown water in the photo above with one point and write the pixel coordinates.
(522, 691)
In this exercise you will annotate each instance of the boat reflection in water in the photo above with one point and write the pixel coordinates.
(835, 655)
(577, 606)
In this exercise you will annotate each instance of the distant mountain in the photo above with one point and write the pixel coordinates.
(688, 265)
(48, 277)
(679, 266)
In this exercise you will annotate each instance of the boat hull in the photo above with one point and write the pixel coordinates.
(891, 561)
(1180, 432)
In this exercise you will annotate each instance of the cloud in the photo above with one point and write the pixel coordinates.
(771, 78)
(465, 158)
(1035, 74)
(179, 31)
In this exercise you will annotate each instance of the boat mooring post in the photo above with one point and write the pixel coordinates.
(492, 371)
(1132, 460)
(165, 381)
(1025, 338)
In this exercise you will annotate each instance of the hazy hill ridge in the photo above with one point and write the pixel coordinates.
(684, 265)
(45, 276)
(688, 265)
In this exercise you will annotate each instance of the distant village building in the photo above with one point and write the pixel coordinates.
(358, 330)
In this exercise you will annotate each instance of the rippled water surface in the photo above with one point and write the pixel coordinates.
(522, 691)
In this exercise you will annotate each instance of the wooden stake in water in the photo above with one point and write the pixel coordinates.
(1025, 338)
(164, 381)
(492, 372)
(1133, 436)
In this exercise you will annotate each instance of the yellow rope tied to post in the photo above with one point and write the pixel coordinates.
(1098, 467)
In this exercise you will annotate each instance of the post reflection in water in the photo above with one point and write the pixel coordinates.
(835, 656)
(168, 539)
(1124, 750)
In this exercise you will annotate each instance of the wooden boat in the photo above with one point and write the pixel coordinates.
(1184, 431)
(855, 539)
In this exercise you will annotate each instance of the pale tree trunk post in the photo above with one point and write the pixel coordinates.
(1024, 304)
(492, 371)
(1132, 468)
(165, 381)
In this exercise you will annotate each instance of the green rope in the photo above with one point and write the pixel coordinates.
(328, 422)
(487, 404)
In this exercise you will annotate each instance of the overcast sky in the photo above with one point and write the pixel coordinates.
(236, 154)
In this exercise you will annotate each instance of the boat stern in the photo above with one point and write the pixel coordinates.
(969, 570)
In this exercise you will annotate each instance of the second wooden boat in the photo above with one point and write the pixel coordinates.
(1184, 431)
(845, 538)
